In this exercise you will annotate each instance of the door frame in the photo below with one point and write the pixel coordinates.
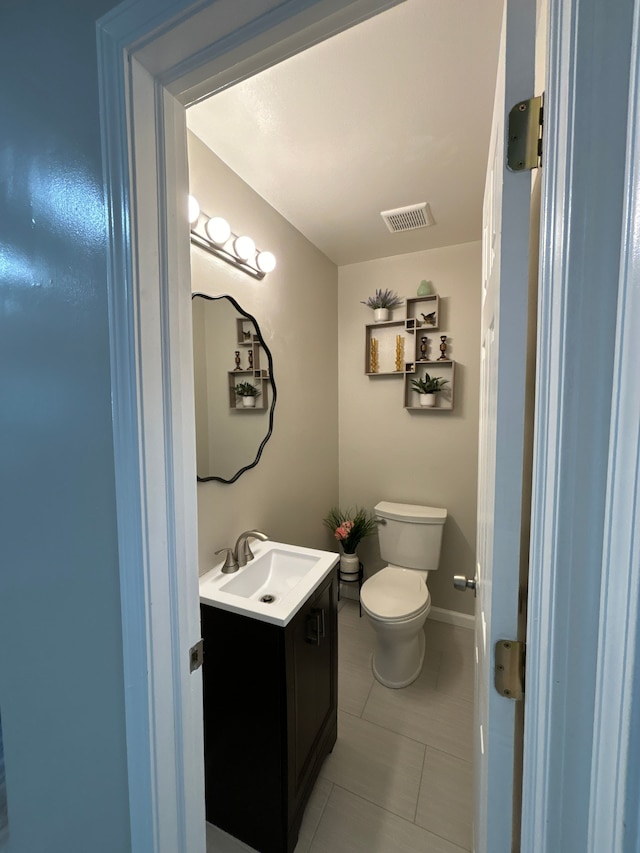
(577, 693)
(156, 57)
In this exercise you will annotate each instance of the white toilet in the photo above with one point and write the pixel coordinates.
(396, 599)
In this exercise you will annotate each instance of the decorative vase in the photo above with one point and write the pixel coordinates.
(380, 315)
(249, 402)
(428, 400)
(349, 566)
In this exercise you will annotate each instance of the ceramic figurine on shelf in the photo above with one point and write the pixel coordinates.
(373, 359)
(237, 367)
(246, 335)
(425, 288)
(250, 357)
(424, 342)
(399, 352)
(443, 348)
(429, 319)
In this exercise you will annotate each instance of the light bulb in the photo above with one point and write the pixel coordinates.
(244, 247)
(218, 230)
(266, 261)
(194, 210)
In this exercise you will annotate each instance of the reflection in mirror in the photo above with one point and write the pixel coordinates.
(229, 355)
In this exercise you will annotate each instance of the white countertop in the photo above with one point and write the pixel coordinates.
(292, 593)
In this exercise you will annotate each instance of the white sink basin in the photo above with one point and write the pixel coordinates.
(273, 586)
(273, 573)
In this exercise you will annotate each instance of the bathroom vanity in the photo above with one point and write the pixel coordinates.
(270, 707)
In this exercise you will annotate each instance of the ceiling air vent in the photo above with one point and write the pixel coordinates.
(408, 218)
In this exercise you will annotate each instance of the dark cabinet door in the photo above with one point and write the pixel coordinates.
(270, 717)
(312, 653)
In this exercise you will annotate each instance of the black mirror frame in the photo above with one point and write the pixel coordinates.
(271, 381)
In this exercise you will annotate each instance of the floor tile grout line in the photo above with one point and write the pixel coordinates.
(406, 736)
(424, 762)
(324, 808)
(444, 838)
(378, 806)
(450, 755)
(364, 707)
(398, 734)
(399, 817)
(439, 670)
(373, 802)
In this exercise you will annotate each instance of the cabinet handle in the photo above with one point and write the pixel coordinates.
(321, 623)
(315, 627)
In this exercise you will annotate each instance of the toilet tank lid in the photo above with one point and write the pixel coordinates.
(411, 512)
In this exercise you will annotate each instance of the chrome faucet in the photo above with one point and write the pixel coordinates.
(242, 553)
(230, 562)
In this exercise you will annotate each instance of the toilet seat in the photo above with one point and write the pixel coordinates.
(395, 594)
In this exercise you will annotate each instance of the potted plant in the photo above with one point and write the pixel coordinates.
(349, 527)
(383, 302)
(428, 387)
(248, 393)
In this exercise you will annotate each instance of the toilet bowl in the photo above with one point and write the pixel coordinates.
(396, 600)
(397, 603)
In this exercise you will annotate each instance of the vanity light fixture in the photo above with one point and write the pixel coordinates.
(218, 230)
(244, 247)
(265, 261)
(194, 210)
(214, 235)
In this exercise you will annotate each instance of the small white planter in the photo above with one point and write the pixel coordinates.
(380, 315)
(249, 402)
(349, 566)
(428, 400)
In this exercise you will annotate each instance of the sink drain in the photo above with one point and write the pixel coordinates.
(268, 599)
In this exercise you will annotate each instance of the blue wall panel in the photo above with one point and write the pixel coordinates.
(61, 684)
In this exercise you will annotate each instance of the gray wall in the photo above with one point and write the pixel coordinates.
(318, 346)
(61, 675)
(388, 453)
(296, 306)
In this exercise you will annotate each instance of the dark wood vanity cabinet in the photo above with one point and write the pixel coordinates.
(270, 717)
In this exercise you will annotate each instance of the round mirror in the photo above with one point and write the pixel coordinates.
(235, 395)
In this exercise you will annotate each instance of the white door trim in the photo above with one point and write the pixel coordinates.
(580, 247)
(150, 329)
(614, 783)
(154, 445)
(152, 59)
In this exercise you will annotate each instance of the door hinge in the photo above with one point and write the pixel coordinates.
(509, 668)
(524, 139)
(196, 656)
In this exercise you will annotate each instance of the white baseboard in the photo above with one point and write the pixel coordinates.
(452, 617)
(438, 614)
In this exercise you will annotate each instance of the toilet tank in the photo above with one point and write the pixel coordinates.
(410, 535)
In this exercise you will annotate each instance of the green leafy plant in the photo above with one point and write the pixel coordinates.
(350, 526)
(383, 299)
(429, 384)
(246, 389)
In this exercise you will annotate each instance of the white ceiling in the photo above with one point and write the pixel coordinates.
(392, 112)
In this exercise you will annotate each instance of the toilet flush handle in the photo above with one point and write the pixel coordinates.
(461, 583)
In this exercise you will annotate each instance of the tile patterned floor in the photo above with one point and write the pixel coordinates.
(399, 779)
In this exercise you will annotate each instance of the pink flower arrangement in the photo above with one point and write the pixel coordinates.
(344, 530)
(350, 527)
